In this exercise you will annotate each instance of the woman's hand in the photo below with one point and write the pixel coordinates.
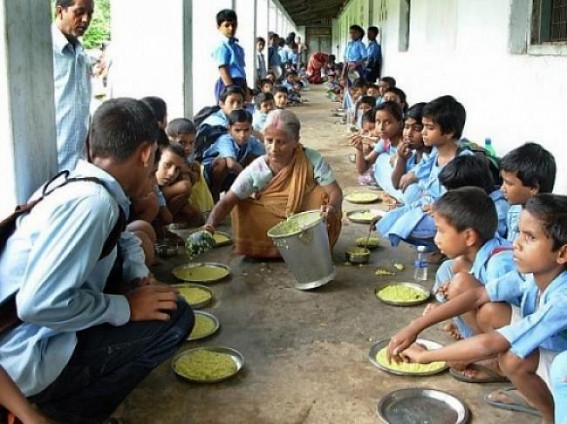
(328, 210)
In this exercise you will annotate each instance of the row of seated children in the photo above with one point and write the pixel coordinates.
(512, 297)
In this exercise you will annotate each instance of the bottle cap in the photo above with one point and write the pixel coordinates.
(422, 249)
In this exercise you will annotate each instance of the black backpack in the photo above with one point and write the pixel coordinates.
(204, 114)
(206, 136)
(8, 311)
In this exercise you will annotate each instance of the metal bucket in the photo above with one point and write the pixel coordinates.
(303, 243)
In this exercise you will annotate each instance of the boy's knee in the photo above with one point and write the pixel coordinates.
(511, 364)
(492, 316)
(185, 187)
(460, 283)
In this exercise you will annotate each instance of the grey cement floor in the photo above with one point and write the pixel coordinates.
(305, 352)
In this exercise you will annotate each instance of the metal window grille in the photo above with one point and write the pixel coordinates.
(549, 21)
(558, 20)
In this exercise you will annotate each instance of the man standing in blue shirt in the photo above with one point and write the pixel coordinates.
(229, 55)
(374, 50)
(80, 347)
(72, 79)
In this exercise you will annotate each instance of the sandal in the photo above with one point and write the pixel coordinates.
(518, 403)
(490, 376)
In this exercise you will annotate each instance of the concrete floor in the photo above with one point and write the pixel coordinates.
(305, 352)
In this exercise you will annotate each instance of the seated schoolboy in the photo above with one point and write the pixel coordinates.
(365, 104)
(231, 153)
(526, 171)
(395, 94)
(383, 84)
(158, 108)
(177, 191)
(280, 97)
(231, 98)
(289, 82)
(374, 91)
(264, 105)
(443, 123)
(520, 317)
(388, 126)
(558, 380)
(411, 150)
(183, 131)
(266, 85)
(70, 323)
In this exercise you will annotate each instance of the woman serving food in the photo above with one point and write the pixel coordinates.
(289, 179)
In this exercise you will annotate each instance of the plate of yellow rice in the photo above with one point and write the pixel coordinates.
(196, 295)
(377, 356)
(205, 325)
(211, 364)
(402, 294)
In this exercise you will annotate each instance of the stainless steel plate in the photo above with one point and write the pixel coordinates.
(422, 406)
(183, 272)
(213, 330)
(196, 305)
(227, 239)
(429, 344)
(359, 216)
(414, 286)
(235, 355)
(362, 197)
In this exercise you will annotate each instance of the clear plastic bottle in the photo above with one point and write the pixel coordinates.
(489, 147)
(420, 264)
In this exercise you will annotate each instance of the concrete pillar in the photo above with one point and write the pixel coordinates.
(246, 34)
(28, 152)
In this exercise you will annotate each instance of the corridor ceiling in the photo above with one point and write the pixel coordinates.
(312, 12)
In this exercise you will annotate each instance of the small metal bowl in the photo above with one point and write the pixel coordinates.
(167, 250)
(358, 255)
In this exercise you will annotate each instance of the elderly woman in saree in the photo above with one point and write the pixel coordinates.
(316, 63)
(289, 179)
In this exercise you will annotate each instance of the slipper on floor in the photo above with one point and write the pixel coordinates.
(518, 404)
(491, 375)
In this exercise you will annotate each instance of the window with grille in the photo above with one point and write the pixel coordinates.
(549, 21)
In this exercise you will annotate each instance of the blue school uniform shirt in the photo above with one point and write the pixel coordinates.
(227, 147)
(502, 206)
(230, 54)
(512, 220)
(544, 324)
(273, 57)
(216, 118)
(355, 51)
(52, 258)
(374, 51)
(258, 120)
(489, 265)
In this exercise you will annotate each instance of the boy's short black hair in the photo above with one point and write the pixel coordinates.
(469, 207)
(533, 165)
(359, 83)
(290, 73)
(239, 115)
(226, 15)
(367, 100)
(374, 86)
(65, 3)
(263, 97)
(281, 89)
(392, 108)
(415, 112)
(448, 113)
(119, 126)
(180, 126)
(401, 94)
(176, 148)
(391, 81)
(162, 139)
(373, 29)
(266, 81)
(551, 211)
(158, 107)
(368, 116)
(229, 91)
(467, 170)
(260, 40)
(357, 28)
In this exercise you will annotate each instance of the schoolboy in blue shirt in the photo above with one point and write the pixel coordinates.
(526, 171)
(231, 153)
(466, 222)
(264, 105)
(355, 52)
(374, 51)
(527, 341)
(231, 98)
(229, 55)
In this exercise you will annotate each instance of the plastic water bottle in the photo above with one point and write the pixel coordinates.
(489, 147)
(420, 264)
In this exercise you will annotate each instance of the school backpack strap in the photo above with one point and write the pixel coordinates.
(8, 309)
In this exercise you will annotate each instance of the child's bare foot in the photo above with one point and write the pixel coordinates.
(452, 330)
(479, 372)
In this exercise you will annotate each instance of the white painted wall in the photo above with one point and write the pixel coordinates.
(459, 47)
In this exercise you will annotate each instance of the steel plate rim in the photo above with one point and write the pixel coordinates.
(440, 395)
(376, 199)
(198, 264)
(210, 333)
(235, 355)
(363, 221)
(199, 286)
(223, 243)
(401, 302)
(430, 344)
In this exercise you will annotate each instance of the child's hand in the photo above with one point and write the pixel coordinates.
(406, 180)
(400, 342)
(404, 151)
(356, 142)
(427, 208)
(443, 290)
(414, 353)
